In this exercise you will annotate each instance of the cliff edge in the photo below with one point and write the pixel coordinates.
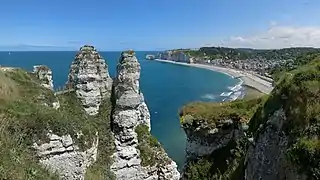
(280, 139)
(138, 155)
(92, 129)
(286, 142)
(216, 138)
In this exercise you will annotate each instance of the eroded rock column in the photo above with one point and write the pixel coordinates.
(131, 111)
(45, 75)
(90, 78)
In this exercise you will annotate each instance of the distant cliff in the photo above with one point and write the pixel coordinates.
(95, 128)
(175, 55)
(280, 139)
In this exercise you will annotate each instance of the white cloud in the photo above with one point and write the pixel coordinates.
(278, 37)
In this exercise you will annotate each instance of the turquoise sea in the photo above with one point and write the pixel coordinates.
(166, 87)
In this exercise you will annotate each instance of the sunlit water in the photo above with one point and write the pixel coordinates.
(166, 87)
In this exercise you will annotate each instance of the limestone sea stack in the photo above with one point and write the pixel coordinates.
(138, 155)
(45, 75)
(90, 79)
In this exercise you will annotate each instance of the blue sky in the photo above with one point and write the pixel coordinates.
(158, 24)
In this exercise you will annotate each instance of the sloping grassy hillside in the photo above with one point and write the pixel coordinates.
(26, 117)
(298, 93)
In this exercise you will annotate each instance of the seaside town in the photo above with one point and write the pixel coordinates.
(262, 62)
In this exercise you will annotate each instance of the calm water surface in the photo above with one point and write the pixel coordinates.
(166, 87)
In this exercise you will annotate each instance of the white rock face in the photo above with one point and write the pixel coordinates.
(61, 155)
(90, 78)
(131, 111)
(45, 75)
(202, 141)
(266, 157)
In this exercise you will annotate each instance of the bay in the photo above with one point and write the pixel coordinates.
(166, 87)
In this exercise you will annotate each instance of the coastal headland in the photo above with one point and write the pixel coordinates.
(249, 79)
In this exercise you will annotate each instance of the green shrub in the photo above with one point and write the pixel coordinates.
(298, 94)
(150, 149)
(26, 117)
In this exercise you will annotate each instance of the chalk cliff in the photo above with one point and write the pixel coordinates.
(90, 78)
(138, 155)
(216, 137)
(286, 129)
(281, 140)
(92, 129)
(45, 75)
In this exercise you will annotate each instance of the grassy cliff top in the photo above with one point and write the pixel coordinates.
(26, 116)
(298, 94)
(212, 113)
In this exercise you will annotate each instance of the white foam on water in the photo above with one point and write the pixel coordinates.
(226, 94)
(237, 87)
(235, 95)
(209, 96)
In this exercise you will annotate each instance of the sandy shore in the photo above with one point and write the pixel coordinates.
(249, 79)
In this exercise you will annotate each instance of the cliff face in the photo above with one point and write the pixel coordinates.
(63, 156)
(138, 156)
(216, 138)
(286, 142)
(90, 78)
(266, 159)
(175, 55)
(281, 141)
(74, 134)
(45, 75)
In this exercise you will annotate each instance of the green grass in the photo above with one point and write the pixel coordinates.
(298, 94)
(26, 117)
(151, 153)
(212, 113)
(225, 163)
(252, 93)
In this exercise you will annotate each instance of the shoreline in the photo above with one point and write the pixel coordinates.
(248, 79)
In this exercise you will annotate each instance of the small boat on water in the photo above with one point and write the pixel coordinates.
(150, 57)
(9, 53)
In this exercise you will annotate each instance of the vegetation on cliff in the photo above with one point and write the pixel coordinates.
(247, 53)
(212, 113)
(225, 163)
(150, 149)
(298, 94)
(301, 60)
(26, 116)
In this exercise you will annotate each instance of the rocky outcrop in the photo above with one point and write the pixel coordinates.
(130, 114)
(62, 156)
(216, 138)
(286, 130)
(266, 158)
(45, 75)
(283, 130)
(92, 84)
(202, 141)
(90, 79)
